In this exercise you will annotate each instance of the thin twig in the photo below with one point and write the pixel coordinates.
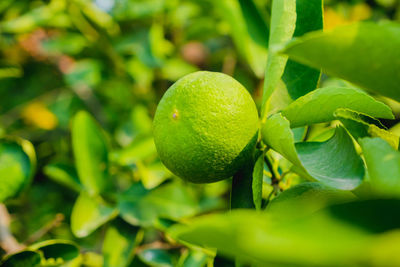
(58, 219)
(7, 241)
(157, 245)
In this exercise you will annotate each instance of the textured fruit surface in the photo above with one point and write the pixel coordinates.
(205, 127)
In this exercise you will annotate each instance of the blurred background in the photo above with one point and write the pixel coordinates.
(115, 59)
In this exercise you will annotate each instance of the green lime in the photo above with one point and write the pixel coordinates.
(205, 127)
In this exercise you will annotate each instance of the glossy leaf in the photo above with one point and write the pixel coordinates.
(342, 52)
(119, 243)
(276, 133)
(89, 213)
(319, 106)
(22, 259)
(290, 19)
(383, 163)
(333, 162)
(283, 24)
(17, 164)
(139, 206)
(360, 126)
(156, 257)
(300, 79)
(60, 251)
(91, 153)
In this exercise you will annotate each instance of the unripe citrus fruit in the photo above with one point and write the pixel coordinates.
(205, 127)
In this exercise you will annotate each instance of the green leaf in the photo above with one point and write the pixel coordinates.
(22, 259)
(300, 79)
(305, 199)
(348, 234)
(258, 174)
(360, 126)
(283, 24)
(156, 257)
(247, 39)
(290, 18)
(58, 251)
(256, 25)
(383, 165)
(140, 149)
(63, 174)
(89, 213)
(276, 133)
(17, 164)
(91, 153)
(320, 105)
(119, 243)
(139, 206)
(342, 52)
(333, 162)
(194, 259)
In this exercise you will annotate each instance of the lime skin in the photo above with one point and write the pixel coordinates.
(206, 127)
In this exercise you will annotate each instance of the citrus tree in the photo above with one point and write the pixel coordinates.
(142, 152)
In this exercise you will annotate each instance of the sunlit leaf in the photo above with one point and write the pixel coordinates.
(320, 105)
(334, 162)
(89, 213)
(91, 153)
(342, 52)
(17, 164)
(119, 243)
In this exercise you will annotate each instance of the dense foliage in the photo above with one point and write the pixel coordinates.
(81, 183)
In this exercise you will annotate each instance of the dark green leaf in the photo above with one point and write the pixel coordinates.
(156, 258)
(342, 52)
(22, 259)
(300, 79)
(242, 188)
(57, 250)
(247, 42)
(334, 162)
(91, 153)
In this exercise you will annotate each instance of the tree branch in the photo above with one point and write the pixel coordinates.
(7, 241)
